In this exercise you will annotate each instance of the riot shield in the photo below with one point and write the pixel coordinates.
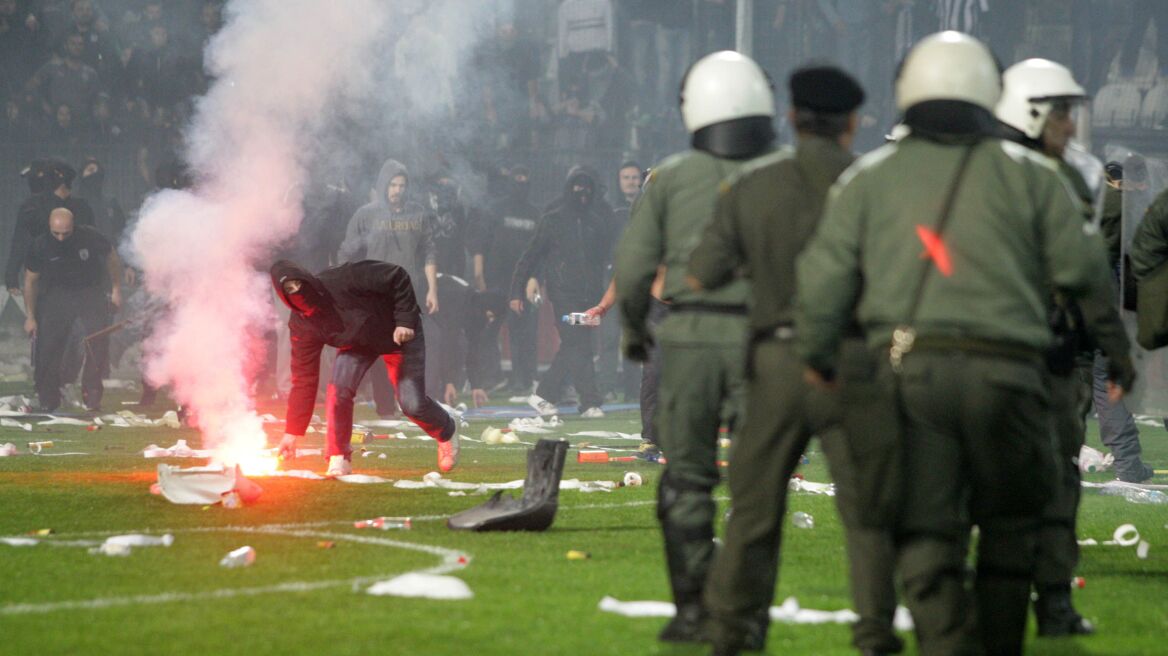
(1144, 178)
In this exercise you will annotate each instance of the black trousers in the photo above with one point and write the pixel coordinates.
(57, 313)
(573, 362)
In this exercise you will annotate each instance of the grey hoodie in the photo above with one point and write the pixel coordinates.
(377, 232)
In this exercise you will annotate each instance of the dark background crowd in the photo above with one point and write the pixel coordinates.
(541, 84)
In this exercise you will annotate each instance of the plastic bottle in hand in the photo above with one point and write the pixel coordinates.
(580, 319)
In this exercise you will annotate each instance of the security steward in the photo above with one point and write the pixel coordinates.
(944, 247)
(70, 274)
(763, 219)
(727, 106)
(1038, 96)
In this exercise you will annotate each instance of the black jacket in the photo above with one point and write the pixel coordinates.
(32, 221)
(356, 306)
(571, 247)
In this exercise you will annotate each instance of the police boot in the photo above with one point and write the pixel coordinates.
(688, 625)
(687, 526)
(1057, 616)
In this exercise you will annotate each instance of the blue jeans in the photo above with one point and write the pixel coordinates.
(1117, 427)
(407, 373)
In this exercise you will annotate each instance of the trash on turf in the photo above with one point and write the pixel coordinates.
(536, 509)
(20, 542)
(12, 423)
(231, 501)
(632, 479)
(241, 557)
(1093, 460)
(789, 613)
(179, 449)
(535, 424)
(797, 484)
(492, 436)
(381, 456)
(63, 421)
(111, 549)
(37, 447)
(362, 479)
(204, 485)
(140, 540)
(1125, 535)
(386, 523)
(326, 544)
(802, 520)
(1142, 550)
(423, 586)
(578, 555)
(8, 449)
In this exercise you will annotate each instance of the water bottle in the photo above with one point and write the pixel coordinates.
(1136, 494)
(580, 319)
(241, 557)
(386, 523)
(802, 520)
(1089, 460)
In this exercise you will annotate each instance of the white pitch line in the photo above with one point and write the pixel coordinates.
(450, 562)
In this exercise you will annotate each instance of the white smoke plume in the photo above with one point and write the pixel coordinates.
(204, 252)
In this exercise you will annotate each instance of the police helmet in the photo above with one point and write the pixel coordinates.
(1030, 90)
(724, 86)
(949, 66)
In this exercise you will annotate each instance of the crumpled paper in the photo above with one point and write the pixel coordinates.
(788, 613)
(12, 423)
(811, 487)
(7, 450)
(424, 586)
(179, 449)
(361, 479)
(128, 419)
(535, 424)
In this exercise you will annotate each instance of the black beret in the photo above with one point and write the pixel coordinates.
(825, 89)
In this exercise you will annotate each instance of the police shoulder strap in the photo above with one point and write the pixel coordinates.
(904, 335)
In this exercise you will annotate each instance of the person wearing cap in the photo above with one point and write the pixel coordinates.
(51, 183)
(367, 310)
(727, 105)
(1038, 98)
(944, 248)
(763, 218)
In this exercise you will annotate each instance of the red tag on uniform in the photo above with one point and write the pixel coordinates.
(935, 250)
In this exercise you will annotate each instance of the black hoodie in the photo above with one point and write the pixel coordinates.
(351, 306)
(575, 241)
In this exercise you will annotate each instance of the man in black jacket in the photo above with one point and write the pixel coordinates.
(570, 247)
(365, 310)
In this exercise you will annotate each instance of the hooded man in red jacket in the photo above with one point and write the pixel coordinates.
(366, 310)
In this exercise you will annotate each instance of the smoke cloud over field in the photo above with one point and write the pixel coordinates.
(203, 251)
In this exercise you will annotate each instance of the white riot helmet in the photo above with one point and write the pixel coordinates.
(724, 86)
(949, 66)
(1029, 90)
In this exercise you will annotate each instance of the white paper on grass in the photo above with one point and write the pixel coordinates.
(788, 613)
(361, 479)
(179, 449)
(8, 449)
(12, 423)
(19, 542)
(195, 485)
(800, 485)
(423, 586)
(608, 435)
(63, 421)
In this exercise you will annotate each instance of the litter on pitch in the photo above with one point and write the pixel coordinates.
(423, 586)
(123, 545)
(127, 419)
(1125, 535)
(537, 425)
(810, 487)
(12, 423)
(204, 485)
(790, 612)
(179, 449)
(608, 435)
(7, 450)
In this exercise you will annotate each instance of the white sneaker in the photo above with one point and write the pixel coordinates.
(338, 466)
(542, 405)
(448, 453)
(592, 413)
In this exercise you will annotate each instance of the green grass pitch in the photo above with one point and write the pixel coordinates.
(529, 598)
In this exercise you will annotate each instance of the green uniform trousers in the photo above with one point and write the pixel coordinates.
(782, 414)
(1058, 547)
(700, 386)
(976, 449)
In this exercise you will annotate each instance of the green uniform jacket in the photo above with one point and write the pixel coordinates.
(665, 227)
(1015, 232)
(1149, 247)
(764, 217)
